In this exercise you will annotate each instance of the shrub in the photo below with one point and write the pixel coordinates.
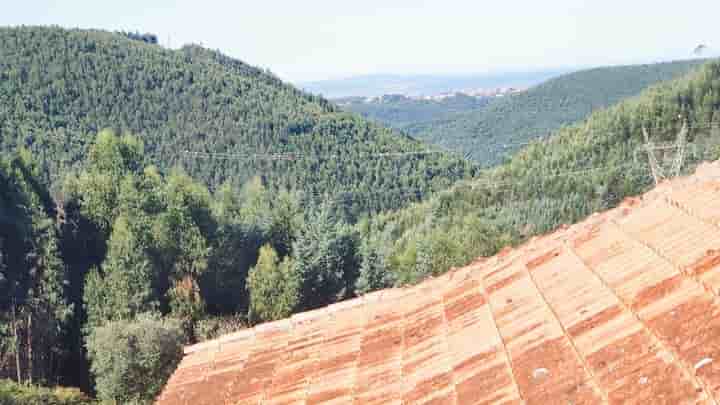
(12, 393)
(132, 360)
(217, 326)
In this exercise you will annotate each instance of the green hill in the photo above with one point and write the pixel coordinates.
(218, 118)
(106, 242)
(400, 112)
(118, 266)
(580, 169)
(564, 100)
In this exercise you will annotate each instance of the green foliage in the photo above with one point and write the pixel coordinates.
(326, 259)
(33, 309)
(111, 160)
(374, 252)
(132, 359)
(216, 326)
(582, 169)
(159, 240)
(125, 287)
(12, 393)
(60, 87)
(273, 286)
(246, 221)
(400, 112)
(543, 109)
(125, 237)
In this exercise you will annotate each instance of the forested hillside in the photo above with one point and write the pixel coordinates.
(399, 112)
(101, 286)
(218, 118)
(116, 252)
(151, 198)
(579, 170)
(516, 119)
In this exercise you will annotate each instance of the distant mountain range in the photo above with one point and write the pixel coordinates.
(485, 132)
(425, 85)
(582, 168)
(481, 124)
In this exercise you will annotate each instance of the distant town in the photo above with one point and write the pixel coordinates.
(389, 98)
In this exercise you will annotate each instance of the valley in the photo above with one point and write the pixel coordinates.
(490, 127)
(157, 202)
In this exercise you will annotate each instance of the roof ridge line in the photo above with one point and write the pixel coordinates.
(316, 358)
(580, 357)
(446, 333)
(401, 361)
(673, 202)
(291, 328)
(676, 359)
(231, 383)
(291, 334)
(682, 271)
(683, 274)
(508, 359)
(366, 322)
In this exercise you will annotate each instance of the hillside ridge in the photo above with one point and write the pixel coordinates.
(539, 111)
(62, 86)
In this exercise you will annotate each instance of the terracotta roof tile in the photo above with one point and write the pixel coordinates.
(621, 308)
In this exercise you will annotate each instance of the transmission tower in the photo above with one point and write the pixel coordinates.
(681, 143)
(657, 171)
(680, 146)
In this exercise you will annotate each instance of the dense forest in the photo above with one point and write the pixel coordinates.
(579, 170)
(113, 274)
(112, 258)
(493, 132)
(218, 118)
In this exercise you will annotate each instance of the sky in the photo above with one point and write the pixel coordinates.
(308, 40)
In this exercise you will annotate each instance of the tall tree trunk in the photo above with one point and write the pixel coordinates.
(18, 369)
(31, 367)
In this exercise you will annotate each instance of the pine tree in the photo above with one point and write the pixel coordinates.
(33, 305)
(273, 286)
(375, 271)
(123, 287)
(326, 259)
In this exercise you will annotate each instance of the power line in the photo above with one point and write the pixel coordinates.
(566, 173)
(542, 138)
(295, 156)
(486, 183)
(490, 184)
(239, 156)
(394, 154)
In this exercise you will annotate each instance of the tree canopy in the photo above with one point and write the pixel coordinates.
(113, 260)
(219, 119)
(580, 169)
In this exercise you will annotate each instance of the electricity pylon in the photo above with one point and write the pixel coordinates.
(680, 146)
(655, 167)
(681, 143)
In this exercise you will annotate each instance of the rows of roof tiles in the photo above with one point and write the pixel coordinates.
(621, 308)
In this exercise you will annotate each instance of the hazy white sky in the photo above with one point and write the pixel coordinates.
(318, 39)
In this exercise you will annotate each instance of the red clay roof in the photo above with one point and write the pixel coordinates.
(622, 308)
